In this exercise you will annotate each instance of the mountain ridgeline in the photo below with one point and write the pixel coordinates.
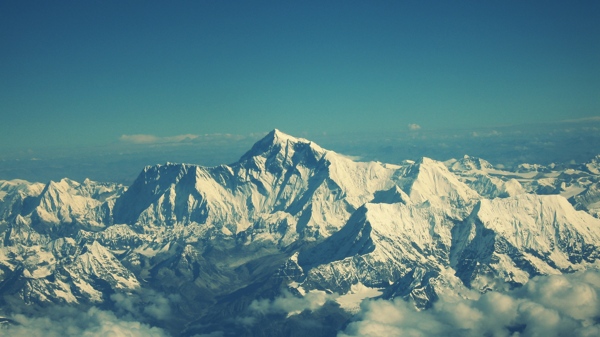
(291, 220)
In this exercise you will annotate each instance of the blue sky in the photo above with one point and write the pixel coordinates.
(87, 73)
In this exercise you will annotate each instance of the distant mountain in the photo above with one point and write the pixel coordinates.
(247, 248)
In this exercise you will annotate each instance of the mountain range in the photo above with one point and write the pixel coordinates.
(290, 239)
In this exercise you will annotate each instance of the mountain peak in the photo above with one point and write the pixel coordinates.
(428, 180)
(276, 136)
(278, 133)
(468, 164)
(277, 141)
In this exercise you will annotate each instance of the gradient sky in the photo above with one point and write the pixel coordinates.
(86, 73)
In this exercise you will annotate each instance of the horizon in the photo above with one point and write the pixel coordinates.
(88, 75)
(543, 143)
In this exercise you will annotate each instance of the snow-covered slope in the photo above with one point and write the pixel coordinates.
(379, 245)
(289, 186)
(428, 182)
(17, 196)
(589, 199)
(68, 202)
(516, 238)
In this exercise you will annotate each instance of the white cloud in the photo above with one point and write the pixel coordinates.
(557, 305)
(287, 304)
(492, 133)
(291, 304)
(185, 138)
(151, 139)
(145, 303)
(584, 119)
(414, 127)
(138, 139)
(69, 322)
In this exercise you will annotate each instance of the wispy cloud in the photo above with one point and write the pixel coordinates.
(152, 139)
(70, 322)
(585, 119)
(414, 127)
(287, 304)
(291, 304)
(184, 138)
(145, 303)
(485, 133)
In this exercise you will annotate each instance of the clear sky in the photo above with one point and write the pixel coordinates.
(86, 73)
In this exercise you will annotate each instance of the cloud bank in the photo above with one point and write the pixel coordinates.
(184, 138)
(557, 305)
(70, 322)
(585, 119)
(129, 317)
(151, 139)
(146, 303)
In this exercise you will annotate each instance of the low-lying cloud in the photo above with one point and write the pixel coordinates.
(291, 304)
(414, 127)
(557, 305)
(151, 139)
(70, 322)
(131, 316)
(145, 304)
(584, 119)
(147, 139)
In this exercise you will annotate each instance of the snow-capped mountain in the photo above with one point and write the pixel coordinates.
(291, 217)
